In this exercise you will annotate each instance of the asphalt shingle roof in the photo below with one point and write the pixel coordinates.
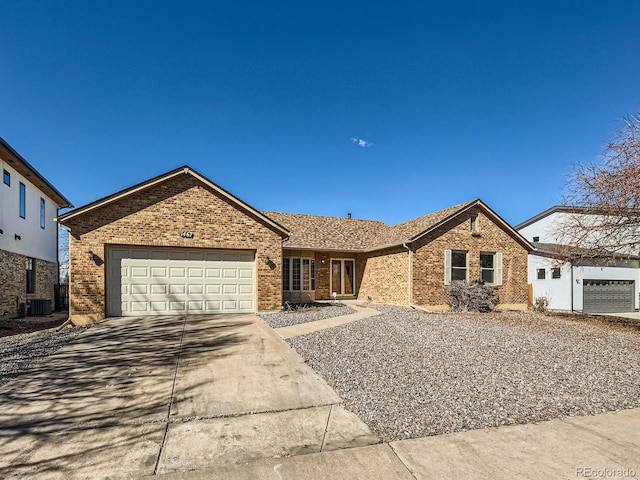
(330, 233)
(335, 233)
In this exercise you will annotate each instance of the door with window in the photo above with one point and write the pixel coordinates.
(343, 277)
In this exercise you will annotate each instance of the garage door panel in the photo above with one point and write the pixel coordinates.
(178, 272)
(159, 272)
(139, 307)
(229, 273)
(142, 289)
(159, 307)
(179, 281)
(139, 272)
(214, 273)
(229, 289)
(177, 289)
(244, 304)
(246, 273)
(195, 272)
(195, 305)
(230, 305)
(177, 307)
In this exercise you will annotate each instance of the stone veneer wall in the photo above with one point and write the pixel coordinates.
(13, 282)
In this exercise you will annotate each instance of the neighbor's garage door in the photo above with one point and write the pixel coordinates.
(167, 281)
(608, 296)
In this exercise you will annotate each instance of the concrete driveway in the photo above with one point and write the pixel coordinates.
(146, 396)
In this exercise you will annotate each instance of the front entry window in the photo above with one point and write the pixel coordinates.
(298, 274)
(343, 277)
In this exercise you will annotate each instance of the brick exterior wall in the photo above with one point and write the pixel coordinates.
(428, 260)
(13, 282)
(155, 217)
(385, 276)
(323, 272)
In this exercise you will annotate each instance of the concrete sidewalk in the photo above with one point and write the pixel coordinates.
(602, 446)
(310, 327)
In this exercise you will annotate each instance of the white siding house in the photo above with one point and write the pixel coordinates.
(29, 205)
(592, 287)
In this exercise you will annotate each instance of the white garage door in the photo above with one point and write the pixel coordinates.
(168, 281)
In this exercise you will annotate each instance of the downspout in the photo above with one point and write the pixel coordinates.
(571, 266)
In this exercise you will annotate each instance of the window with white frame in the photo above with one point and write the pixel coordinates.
(541, 273)
(455, 266)
(487, 267)
(298, 274)
(555, 272)
(491, 267)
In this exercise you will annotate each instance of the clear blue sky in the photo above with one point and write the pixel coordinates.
(452, 100)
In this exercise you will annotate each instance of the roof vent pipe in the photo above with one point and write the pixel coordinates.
(349, 215)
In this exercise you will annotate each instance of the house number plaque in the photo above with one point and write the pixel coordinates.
(186, 234)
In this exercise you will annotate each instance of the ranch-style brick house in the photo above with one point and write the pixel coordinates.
(179, 244)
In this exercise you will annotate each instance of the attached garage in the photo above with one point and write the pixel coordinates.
(174, 281)
(177, 244)
(608, 296)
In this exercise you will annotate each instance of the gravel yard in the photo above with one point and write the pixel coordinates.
(410, 374)
(305, 315)
(19, 353)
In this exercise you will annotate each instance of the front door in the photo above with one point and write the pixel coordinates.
(343, 277)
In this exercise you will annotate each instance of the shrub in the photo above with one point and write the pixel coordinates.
(473, 296)
(541, 304)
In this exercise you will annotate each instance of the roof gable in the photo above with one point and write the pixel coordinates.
(409, 232)
(185, 170)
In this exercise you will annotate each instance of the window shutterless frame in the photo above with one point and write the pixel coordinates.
(42, 213)
(23, 200)
(6, 178)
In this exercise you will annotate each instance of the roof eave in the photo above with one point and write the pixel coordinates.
(53, 193)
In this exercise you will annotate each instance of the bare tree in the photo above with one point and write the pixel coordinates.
(606, 194)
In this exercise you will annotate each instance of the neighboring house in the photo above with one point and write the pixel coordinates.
(180, 244)
(28, 234)
(597, 286)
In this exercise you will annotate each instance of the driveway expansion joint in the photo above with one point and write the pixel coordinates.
(326, 428)
(246, 414)
(400, 460)
(173, 389)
